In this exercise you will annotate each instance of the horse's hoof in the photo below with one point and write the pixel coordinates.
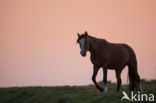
(105, 90)
(100, 89)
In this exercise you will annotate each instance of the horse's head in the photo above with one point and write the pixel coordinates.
(83, 42)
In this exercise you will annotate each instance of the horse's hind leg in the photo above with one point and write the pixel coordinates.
(95, 71)
(105, 78)
(118, 76)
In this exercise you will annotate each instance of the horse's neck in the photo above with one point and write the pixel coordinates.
(92, 45)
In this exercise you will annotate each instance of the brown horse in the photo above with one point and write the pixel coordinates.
(110, 56)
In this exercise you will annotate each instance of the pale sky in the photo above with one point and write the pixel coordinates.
(38, 39)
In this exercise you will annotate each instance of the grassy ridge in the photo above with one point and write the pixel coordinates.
(68, 94)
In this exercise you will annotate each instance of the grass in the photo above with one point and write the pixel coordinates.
(68, 94)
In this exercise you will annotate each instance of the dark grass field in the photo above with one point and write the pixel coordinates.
(68, 94)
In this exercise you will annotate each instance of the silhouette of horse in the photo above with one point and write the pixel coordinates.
(110, 56)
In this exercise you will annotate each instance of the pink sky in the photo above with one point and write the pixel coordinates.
(38, 39)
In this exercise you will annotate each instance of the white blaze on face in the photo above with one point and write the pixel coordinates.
(82, 42)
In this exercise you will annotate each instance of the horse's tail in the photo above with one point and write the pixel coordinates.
(134, 78)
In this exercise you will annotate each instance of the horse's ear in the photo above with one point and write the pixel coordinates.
(86, 33)
(78, 34)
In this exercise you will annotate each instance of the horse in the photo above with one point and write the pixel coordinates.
(113, 56)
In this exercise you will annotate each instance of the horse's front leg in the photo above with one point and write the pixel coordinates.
(119, 81)
(105, 79)
(95, 71)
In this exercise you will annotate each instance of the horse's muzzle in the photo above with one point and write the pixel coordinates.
(83, 54)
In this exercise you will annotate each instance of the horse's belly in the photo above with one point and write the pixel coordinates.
(112, 66)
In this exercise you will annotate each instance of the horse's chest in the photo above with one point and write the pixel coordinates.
(97, 60)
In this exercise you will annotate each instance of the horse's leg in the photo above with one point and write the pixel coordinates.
(95, 71)
(118, 76)
(105, 78)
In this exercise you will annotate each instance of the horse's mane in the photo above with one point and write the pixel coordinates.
(97, 39)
